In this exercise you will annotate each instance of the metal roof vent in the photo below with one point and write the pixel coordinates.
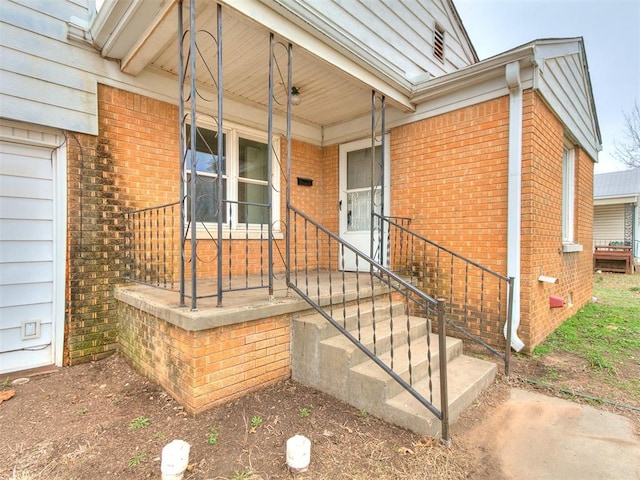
(438, 42)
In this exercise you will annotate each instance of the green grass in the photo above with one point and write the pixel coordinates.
(139, 423)
(599, 333)
(604, 333)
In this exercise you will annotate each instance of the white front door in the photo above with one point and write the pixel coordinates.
(355, 201)
(31, 247)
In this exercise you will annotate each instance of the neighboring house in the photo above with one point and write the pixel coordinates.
(615, 209)
(491, 159)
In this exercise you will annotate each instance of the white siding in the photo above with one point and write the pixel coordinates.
(31, 246)
(397, 33)
(562, 80)
(49, 80)
(608, 223)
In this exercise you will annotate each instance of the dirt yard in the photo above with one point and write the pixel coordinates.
(102, 420)
(78, 423)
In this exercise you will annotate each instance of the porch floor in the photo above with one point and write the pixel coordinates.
(242, 305)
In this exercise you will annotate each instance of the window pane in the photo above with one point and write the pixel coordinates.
(206, 199)
(359, 168)
(252, 193)
(568, 194)
(253, 159)
(206, 150)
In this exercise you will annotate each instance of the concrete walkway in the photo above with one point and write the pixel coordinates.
(537, 437)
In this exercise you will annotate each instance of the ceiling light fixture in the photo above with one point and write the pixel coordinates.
(295, 96)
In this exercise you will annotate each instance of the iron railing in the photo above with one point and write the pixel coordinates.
(317, 273)
(152, 241)
(479, 301)
(151, 245)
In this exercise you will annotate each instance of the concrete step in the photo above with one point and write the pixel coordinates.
(339, 354)
(324, 359)
(467, 377)
(373, 384)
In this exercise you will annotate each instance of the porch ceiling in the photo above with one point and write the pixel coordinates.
(148, 40)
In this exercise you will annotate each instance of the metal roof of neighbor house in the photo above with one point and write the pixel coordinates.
(617, 184)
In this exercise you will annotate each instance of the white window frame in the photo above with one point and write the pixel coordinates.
(569, 199)
(231, 227)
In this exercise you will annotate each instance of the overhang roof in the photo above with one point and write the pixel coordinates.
(617, 184)
(335, 73)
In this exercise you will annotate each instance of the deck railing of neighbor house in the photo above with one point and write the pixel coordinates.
(479, 301)
(316, 253)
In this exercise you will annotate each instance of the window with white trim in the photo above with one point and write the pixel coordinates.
(244, 177)
(568, 194)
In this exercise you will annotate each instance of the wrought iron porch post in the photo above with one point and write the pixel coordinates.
(373, 172)
(221, 154)
(194, 161)
(383, 107)
(288, 179)
(374, 181)
(183, 189)
(269, 162)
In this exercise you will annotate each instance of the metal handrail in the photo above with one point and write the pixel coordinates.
(312, 252)
(433, 266)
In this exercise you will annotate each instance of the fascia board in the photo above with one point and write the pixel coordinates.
(106, 20)
(615, 200)
(272, 20)
(158, 32)
(462, 78)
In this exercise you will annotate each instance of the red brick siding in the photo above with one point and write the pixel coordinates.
(206, 368)
(543, 140)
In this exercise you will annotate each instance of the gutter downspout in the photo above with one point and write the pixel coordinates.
(514, 199)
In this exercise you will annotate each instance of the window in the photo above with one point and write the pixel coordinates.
(568, 194)
(244, 177)
(438, 42)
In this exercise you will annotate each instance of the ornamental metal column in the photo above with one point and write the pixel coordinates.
(377, 118)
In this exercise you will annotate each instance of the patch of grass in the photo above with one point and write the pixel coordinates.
(138, 423)
(601, 334)
(242, 474)
(552, 375)
(305, 412)
(256, 421)
(136, 460)
(212, 435)
(363, 414)
(6, 383)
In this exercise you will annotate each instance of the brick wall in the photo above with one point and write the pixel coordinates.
(206, 368)
(128, 165)
(543, 140)
(449, 175)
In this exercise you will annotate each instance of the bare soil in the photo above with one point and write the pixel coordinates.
(74, 423)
